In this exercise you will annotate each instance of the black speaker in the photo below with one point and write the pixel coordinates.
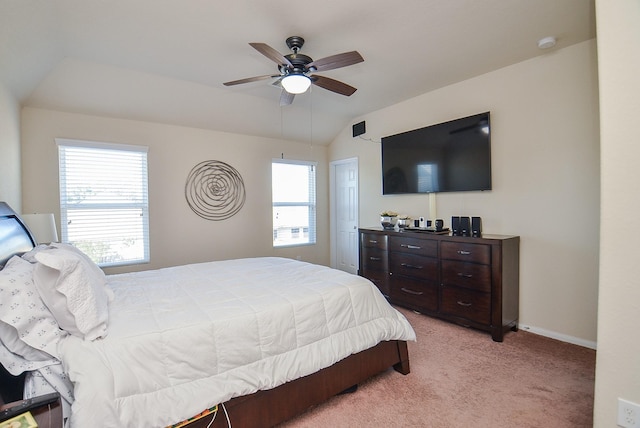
(439, 225)
(465, 226)
(476, 227)
(455, 225)
(359, 129)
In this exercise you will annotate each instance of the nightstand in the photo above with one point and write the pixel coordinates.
(48, 415)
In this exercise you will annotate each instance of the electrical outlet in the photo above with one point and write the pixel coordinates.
(628, 414)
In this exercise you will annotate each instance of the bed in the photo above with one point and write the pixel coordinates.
(263, 339)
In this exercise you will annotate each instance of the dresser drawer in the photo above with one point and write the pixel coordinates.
(374, 258)
(476, 253)
(468, 304)
(414, 266)
(379, 278)
(411, 245)
(374, 240)
(414, 293)
(468, 275)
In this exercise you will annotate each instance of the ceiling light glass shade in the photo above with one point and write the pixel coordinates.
(296, 83)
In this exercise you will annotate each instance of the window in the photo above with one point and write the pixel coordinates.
(293, 185)
(104, 208)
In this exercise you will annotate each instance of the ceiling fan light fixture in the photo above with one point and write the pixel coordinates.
(296, 83)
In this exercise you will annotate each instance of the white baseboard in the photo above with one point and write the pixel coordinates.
(559, 336)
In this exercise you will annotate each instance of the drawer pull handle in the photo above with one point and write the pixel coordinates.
(410, 266)
(372, 241)
(465, 304)
(463, 253)
(464, 275)
(411, 247)
(415, 293)
(375, 259)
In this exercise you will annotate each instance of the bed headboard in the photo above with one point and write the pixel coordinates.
(15, 237)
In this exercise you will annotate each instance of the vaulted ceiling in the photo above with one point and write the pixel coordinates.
(166, 60)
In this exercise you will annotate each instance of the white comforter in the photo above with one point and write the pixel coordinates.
(185, 338)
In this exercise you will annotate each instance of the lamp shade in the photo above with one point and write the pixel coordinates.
(296, 83)
(42, 226)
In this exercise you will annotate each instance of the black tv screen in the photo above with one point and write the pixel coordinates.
(453, 156)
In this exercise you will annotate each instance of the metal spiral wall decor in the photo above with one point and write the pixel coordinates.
(214, 190)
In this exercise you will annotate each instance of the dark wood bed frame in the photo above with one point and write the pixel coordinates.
(264, 408)
(270, 407)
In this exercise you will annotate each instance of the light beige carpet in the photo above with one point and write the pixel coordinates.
(461, 378)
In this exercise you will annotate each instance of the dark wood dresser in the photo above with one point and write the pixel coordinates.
(470, 281)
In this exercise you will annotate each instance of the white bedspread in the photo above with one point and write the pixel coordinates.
(185, 338)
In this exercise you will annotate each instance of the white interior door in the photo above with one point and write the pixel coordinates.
(345, 215)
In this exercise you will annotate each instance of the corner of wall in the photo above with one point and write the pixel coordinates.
(10, 163)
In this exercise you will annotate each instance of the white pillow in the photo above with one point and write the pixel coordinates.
(75, 290)
(30, 255)
(89, 264)
(95, 269)
(24, 313)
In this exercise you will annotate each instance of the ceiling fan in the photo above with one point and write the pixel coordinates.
(296, 71)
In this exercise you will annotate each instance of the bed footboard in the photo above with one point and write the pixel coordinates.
(270, 407)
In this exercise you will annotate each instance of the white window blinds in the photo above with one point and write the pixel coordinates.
(293, 185)
(104, 208)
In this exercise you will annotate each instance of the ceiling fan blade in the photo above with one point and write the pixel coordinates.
(333, 85)
(271, 53)
(249, 80)
(286, 98)
(336, 61)
(278, 81)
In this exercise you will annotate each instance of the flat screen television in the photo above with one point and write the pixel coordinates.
(453, 156)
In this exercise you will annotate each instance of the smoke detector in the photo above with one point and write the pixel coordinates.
(547, 42)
